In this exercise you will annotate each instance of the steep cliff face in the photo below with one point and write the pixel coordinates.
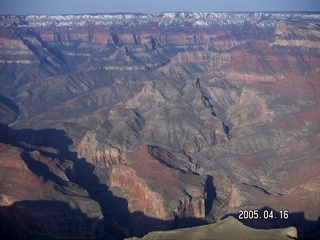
(147, 201)
(98, 154)
(183, 115)
(178, 194)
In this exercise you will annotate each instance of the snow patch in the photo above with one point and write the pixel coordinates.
(200, 23)
(166, 19)
(169, 15)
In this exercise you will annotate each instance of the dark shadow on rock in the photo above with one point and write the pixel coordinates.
(142, 224)
(47, 220)
(271, 219)
(118, 221)
(41, 169)
(211, 194)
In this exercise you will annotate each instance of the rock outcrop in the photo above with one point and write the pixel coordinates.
(100, 155)
(159, 191)
(228, 228)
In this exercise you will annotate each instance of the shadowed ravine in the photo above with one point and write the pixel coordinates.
(118, 221)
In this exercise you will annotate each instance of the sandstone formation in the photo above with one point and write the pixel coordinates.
(177, 194)
(166, 120)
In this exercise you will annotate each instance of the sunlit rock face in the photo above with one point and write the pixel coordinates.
(229, 228)
(177, 194)
(173, 119)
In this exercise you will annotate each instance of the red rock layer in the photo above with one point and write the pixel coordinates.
(17, 181)
(156, 186)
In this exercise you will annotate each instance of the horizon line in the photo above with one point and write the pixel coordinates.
(160, 12)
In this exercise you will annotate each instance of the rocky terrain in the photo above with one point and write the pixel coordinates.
(131, 123)
(37, 197)
(226, 229)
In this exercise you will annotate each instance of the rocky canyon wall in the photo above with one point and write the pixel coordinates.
(169, 120)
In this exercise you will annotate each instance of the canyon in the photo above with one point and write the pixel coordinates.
(117, 125)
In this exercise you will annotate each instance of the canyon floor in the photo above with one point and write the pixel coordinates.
(116, 126)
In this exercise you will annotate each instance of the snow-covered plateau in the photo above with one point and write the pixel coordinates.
(159, 19)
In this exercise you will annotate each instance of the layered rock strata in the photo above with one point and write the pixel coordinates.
(183, 115)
